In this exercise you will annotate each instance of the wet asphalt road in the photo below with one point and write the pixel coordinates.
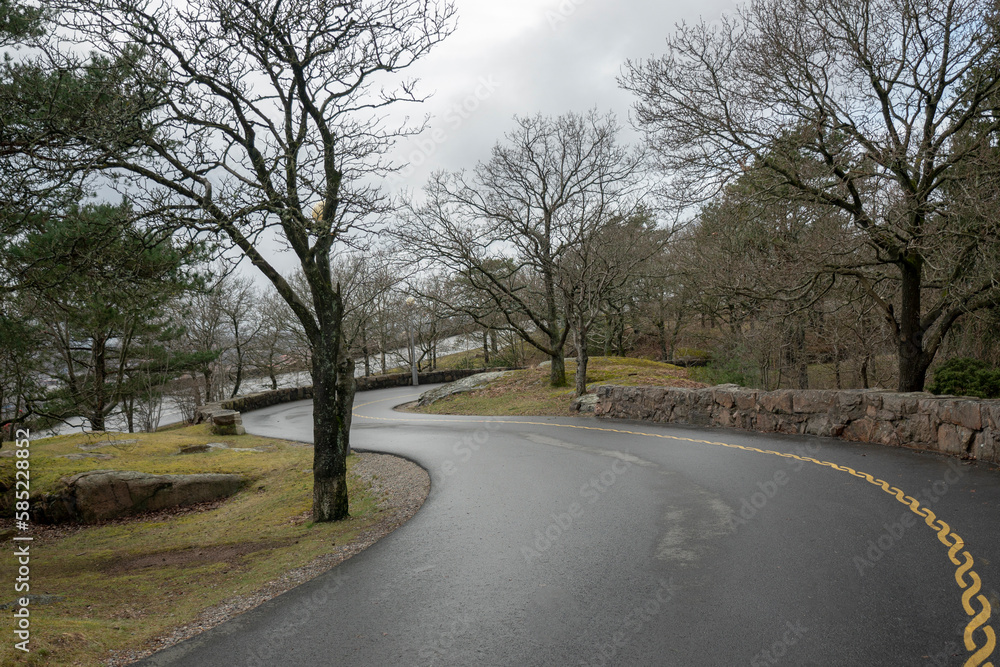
(543, 543)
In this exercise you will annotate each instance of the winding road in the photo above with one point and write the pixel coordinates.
(575, 541)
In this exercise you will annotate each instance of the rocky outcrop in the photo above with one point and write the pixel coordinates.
(462, 386)
(964, 427)
(585, 403)
(98, 495)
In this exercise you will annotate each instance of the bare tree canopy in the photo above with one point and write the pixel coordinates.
(264, 115)
(874, 107)
(508, 228)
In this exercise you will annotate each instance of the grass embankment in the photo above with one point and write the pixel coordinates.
(121, 583)
(527, 392)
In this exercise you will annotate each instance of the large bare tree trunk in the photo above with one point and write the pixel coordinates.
(557, 369)
(330, 442)
(795, 355)
(100, 376)
(582, 359)
(209, 390)
(661, 337)
(239, 375)
(913, 357)
(346, 386)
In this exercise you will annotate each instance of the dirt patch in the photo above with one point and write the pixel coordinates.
(188, 557)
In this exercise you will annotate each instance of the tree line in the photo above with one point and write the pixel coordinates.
(119, 335)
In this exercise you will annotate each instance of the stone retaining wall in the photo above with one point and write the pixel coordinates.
(966, 427)
(263, 399)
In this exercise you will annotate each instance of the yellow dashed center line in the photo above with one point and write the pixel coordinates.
(965, 577)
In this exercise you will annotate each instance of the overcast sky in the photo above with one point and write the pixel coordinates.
(528, 56)
(525, 57)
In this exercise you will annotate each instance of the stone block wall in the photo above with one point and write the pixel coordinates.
(263, 399)
(966, 427)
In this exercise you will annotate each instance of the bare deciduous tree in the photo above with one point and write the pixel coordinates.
(608, 255)
(860, 105)
(508, 227)
(262, 113)
(275, 351)
(205, 335)
(368, 280)
(240, 308)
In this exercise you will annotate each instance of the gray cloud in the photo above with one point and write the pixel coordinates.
(549, 57)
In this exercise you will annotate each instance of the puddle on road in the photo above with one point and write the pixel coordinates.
(690, 525)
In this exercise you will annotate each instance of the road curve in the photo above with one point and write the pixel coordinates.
(562, 541)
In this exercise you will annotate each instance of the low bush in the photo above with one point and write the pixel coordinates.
(727, 371)
(963, 376)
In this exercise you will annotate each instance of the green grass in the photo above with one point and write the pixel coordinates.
(527, 392)
(124, 583)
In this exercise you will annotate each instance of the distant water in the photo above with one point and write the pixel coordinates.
(171, 414)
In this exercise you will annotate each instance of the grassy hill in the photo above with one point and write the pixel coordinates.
(527, 392)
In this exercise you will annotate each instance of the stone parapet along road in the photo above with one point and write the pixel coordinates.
(965, 427)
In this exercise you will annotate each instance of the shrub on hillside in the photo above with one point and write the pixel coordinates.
(963, 376)
(726, 371)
